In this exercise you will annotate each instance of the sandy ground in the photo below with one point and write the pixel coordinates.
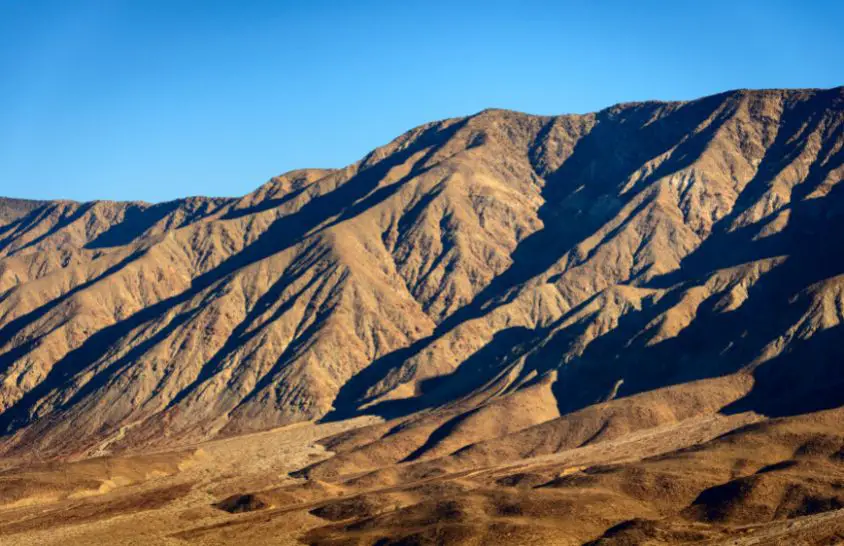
(215, 470)
(179, 508)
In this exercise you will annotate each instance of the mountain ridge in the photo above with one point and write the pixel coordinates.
(458, 245)
(619, 327)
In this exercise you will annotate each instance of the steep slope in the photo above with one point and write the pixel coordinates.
(474, 268)
(12, 209)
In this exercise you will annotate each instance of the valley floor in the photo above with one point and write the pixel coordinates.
(664, 485)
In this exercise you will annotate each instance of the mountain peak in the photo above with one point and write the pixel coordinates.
(468, 254)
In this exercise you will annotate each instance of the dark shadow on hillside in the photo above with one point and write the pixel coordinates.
(18, 212)
(136, 221)
(11, 226)
(441, 433)
(807, 377)
(14, 326)
(264, 205)
(476, 371)
(22, 224)
(65, 220)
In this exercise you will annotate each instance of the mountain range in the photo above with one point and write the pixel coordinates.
(480, 291)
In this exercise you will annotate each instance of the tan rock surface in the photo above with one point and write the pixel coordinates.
(500, 291)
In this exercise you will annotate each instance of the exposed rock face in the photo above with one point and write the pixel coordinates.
(500, 264)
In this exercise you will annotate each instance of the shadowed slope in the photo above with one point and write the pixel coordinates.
(458, 267)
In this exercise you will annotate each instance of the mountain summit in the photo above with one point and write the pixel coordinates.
(620, 328)
(472, 263)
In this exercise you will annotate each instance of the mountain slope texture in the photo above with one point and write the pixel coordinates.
(491, 289)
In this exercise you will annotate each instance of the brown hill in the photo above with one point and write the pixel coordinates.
(645, 245)
(517, 298)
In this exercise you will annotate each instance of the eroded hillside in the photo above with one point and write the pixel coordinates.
(475, 265)
(614, 328)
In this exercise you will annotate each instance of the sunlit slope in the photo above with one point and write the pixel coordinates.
(477, 265)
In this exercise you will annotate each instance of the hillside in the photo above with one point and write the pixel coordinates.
(496, 288)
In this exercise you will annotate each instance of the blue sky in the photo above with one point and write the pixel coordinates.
(158, 99)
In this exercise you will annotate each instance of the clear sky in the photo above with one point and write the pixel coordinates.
(158, 99)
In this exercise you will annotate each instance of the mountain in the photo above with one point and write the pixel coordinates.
(495, 288)
(650, 243)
